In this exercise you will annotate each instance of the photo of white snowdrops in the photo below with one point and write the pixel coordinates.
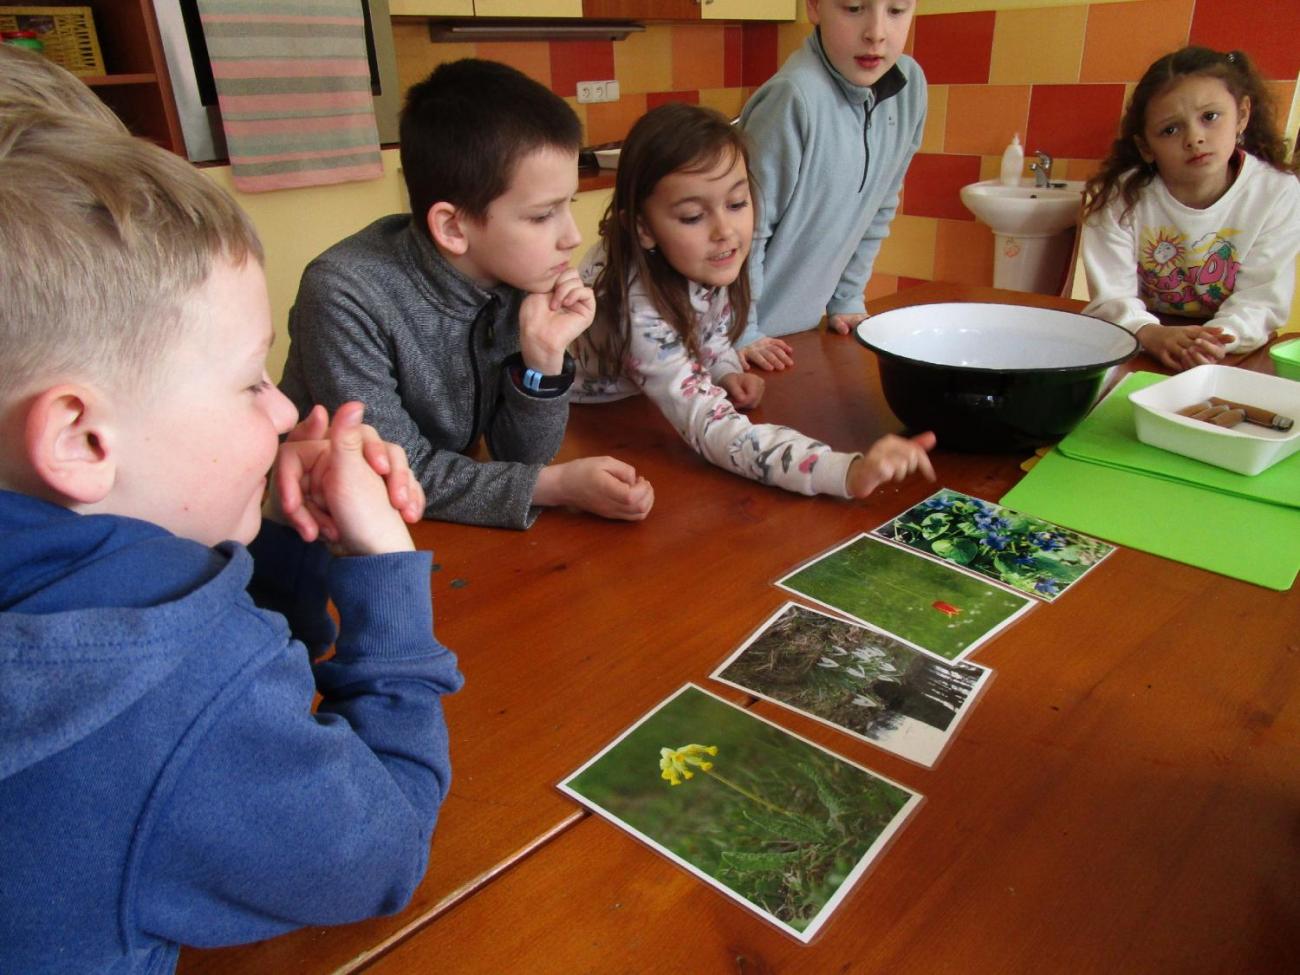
(857, 679)
(775, 822)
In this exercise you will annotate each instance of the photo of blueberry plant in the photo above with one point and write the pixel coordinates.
(1026, 553)
(775, 822)
(930, 605)
(857, 679)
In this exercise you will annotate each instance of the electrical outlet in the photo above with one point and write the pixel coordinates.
(597, 91)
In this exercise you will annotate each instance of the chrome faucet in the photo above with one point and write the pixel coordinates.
(1042, 169)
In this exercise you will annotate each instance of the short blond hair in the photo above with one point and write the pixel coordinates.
(28, 78)
(103, 238)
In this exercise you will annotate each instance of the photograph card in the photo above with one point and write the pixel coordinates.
(778, 824)
(857, 679)
(1019, 551)
(927, 603)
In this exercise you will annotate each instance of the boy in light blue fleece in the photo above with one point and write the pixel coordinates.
(163, 777)
(833, 133)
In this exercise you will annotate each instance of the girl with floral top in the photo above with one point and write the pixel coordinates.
(1195, 213)
(672, 293)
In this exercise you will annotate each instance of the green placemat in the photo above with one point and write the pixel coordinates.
(1106, 436)
(1234, 536)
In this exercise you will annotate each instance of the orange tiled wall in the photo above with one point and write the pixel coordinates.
(1057, 75)
(710, 64)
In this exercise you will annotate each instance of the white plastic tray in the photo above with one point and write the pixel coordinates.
(1245, 448)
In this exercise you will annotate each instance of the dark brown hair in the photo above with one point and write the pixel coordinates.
(465, 128)
(672, 138)
(1126, 173)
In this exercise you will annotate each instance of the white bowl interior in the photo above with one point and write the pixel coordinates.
(996, 336)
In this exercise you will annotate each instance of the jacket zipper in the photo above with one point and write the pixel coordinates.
(867, 108)
(488, 310)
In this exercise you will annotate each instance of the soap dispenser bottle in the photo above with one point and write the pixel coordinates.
(1013, 162)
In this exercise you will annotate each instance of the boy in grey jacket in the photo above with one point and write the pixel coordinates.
(451, 322)
(833, 132)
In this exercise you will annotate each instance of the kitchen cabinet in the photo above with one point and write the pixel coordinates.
(690, 9)
(485, 8)
(748, 9)
(135, 84)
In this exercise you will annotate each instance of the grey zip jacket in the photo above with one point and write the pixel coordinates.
(382, 318)
(829, 157)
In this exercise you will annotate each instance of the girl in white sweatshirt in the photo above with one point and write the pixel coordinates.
(1195, 213)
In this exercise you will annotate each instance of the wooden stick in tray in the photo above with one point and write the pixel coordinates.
(1226, 413)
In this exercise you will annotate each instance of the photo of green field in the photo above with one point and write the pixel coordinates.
(926, 603)
(772, 820)
(857, 679)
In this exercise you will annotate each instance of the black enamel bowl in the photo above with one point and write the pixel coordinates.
(991, 377)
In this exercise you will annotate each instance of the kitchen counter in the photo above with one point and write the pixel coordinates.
(1123, 796)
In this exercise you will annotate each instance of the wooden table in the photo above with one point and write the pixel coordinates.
(1124, 797)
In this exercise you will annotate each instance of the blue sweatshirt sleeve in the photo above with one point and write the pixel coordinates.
(289, 579)
(271, 817)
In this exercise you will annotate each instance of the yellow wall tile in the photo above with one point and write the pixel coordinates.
(879, 286)
(698, 59)
(963, 252)
(728, 101)
(611, 121)
(982, 118)
(1080, 168)
(1038, 46)
(990, 167)
(417, 55)
(908, 251)
(936, 119)
(1124, 38)
(644, 62)
(533, 58)
(581, 112)
(790, 37)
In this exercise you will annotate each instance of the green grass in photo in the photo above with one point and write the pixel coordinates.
(927, 603)
(780, 822)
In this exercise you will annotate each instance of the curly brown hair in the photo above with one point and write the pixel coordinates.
(1125, 173)
(668, 139)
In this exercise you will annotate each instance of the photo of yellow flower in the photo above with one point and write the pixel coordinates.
(774, 822)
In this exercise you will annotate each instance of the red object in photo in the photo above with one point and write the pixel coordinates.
(948, 609)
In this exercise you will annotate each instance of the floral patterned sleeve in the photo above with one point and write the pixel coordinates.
(684, 390)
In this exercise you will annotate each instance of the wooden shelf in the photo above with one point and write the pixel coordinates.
(107, 80)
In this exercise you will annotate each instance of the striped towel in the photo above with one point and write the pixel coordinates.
(293, 84)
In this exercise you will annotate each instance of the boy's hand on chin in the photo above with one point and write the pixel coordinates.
(297, 495)
(549, 322)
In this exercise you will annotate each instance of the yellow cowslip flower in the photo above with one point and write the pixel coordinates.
(674, 764)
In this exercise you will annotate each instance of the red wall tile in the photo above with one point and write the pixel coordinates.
(933, 182)
(733, 53)
(905, 282)
(760, 54)
(955, 49)
(1267, 30)
(656, 98)
(574, 61)
(1075, 121)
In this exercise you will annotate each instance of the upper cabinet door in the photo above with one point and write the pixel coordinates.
(748, 9)
(528, 8)
(485, 8)
(641, 9)
(431, 8)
